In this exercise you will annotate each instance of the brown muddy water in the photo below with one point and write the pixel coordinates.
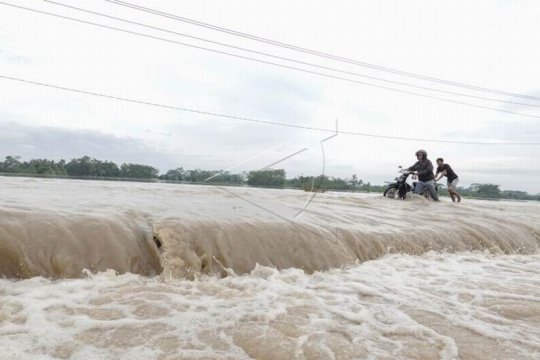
(240, 276)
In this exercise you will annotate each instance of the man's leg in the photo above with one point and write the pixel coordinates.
(453, 188)
(451, 193)
(430, 185)
(456, 195)
(419, 187)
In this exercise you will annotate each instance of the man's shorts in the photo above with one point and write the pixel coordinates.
(453, 184)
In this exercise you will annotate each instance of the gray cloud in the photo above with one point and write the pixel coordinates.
(517, 130)
(209, 149)
(55, 143)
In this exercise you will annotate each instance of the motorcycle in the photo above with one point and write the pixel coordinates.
(401, 189)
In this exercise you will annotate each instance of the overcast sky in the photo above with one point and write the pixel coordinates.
(492, 44)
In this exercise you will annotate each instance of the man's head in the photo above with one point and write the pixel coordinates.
(421, 154)
(440, 161)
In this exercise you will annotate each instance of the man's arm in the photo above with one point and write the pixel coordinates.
(437, 177)
(414, 167)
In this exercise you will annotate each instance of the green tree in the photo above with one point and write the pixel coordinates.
(87, 166)
(267, 177)
(174, 175)
(355, 182)
(80, 167)
(11, 164)
(137, 171)
(198, 175)
(44, 167)
(518, 195)
(488, 190)
(108, 169)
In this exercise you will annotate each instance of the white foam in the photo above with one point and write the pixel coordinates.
(397, 307)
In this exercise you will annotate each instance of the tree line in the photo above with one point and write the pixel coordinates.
(81, 167)
(492, 191)
(87, 167)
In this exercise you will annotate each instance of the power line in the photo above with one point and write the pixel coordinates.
(291, 60)
(272, 63)
(143, 102)
(318, 53)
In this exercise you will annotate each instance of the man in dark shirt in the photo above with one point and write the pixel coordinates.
(424, 169)
(445, 170)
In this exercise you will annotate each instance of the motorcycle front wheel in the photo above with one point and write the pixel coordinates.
(391, 192)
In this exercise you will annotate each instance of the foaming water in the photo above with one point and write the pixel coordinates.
(61, 228)
(434, 306)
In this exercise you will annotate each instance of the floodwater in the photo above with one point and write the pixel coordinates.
(253, 273)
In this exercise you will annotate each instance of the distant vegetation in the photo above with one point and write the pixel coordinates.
(91, 168)
(494, 192)
(82, 167)
(267, 177)
(199, 176)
